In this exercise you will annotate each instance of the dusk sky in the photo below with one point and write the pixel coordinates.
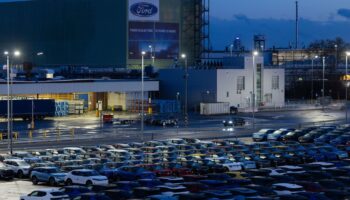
(320, 19)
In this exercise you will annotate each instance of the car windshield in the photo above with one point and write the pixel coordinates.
(263, 130)
(58, 193)
(277, 132)
(53, 170)
(90, 173)
(22, 163)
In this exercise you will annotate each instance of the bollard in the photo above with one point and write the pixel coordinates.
(72, 132)
(30, 134)
(15, 135)
(58, 133)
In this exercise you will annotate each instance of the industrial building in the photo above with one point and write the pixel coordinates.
(104, 37)
(232, 83)
(105, 33)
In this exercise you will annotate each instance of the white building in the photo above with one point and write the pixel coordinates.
(236, 85)
(233, 83)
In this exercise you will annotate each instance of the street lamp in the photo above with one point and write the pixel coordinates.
(9, 98)
(231, 50)
(143, 53)
(346, 86)
(312, 76)
(255, 53)
(152, 56)
(183, 56)
(323, 68)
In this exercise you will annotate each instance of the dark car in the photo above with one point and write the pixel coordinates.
(6, 173)
(161, 120)
(74, 190)
(237, 121)
(92, 196)
(343, 139)
(293, 135)
(233, 110)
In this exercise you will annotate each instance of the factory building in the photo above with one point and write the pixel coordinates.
(104, 33)
(232, 83)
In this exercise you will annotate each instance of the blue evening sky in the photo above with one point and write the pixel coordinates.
(319, 19)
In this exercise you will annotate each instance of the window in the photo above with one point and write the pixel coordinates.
(240, 84)
(227, 94)
(275, 82)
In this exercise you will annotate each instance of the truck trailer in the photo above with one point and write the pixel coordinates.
(28, 108)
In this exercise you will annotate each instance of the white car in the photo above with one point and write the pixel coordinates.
(20, 167)
(85, 177)
(45, 194)
(287, 188)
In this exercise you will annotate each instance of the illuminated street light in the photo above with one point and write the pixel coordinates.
(152, 56)
(143, 53)
(183, 56)
(255, 53)
(9, 98)
(312, 76)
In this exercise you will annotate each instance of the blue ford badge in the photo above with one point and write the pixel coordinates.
(143, 9)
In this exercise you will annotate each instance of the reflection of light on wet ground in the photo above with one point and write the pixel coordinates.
(228, 129)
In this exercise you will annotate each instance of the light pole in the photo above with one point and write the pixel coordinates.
(312, 77)
(346, 86)
(9, 98)
(231, 50)
(142, 92)
(183, 56)
(152, 56)
(323, 69)
(255, 53)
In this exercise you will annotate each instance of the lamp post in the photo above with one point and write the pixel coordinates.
(143, 53)
(255, 53)
(323, 69)
(312, 76)
(231, 50)
(183, 56)
(152, 56)
(346, 86)
(9, 98)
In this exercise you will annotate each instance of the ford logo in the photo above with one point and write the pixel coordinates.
(143, 9)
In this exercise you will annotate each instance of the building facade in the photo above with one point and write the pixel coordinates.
(233, 84)
(101, 33)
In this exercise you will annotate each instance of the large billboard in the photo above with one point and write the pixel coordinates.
(160, 40)
(143, 10)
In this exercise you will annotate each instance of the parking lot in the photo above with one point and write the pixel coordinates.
(246, 159)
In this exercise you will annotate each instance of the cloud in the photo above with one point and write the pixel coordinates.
(344, 13)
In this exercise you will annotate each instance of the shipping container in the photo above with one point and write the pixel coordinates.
(24, 108)
(214, 108)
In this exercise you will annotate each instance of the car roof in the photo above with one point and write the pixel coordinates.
(288, 185)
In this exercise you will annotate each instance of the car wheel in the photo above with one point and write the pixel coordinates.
(88, 183)
(35, 180)
(20, 174)
(69, 182)
(52, 181)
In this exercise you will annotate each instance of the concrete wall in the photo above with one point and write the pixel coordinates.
(200, 81)
(278, 95)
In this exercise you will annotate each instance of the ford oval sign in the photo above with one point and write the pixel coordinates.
(143, 9)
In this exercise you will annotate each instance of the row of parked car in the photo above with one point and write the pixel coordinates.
(186, 169)
(335, 135)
